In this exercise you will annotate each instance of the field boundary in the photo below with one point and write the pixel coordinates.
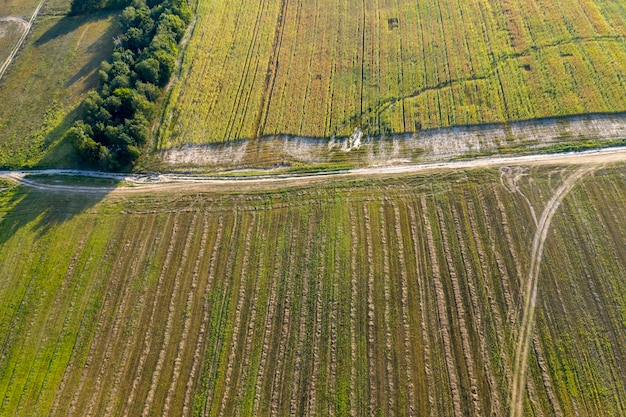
(547, 135)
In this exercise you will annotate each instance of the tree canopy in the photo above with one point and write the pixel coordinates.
(89, 6)
(116, 119)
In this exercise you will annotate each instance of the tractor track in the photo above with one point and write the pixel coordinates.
(531, 288)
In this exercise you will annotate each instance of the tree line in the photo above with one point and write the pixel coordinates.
(116, 118)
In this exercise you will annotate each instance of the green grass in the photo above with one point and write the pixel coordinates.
(580, 145)
(10, 32)
(47, 82)
(245, 287)
(19, 8)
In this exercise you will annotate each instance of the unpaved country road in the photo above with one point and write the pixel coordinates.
(173, 182)
(27, 27)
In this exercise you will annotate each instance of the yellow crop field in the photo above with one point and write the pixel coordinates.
(323, 68)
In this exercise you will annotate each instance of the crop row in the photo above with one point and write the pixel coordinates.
(400, 297)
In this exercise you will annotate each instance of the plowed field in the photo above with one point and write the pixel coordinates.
(400, 296)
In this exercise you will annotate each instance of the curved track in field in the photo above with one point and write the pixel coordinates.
(14, 19)
(27, 26)
(530, 291)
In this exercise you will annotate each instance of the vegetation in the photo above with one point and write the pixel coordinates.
(90, 6)
(320, 69)
(11, 32)
(52, 74)
(378, 296)
(117, 117)
(21, 8)
(403, 295)
(397, 68)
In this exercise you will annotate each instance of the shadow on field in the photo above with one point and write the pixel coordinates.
(66, 25)
(59, 149)
(69, 24)
(101, 50)
(42, 210)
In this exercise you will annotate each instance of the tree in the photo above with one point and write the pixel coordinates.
(172, 25)
(148, 70)
(148, 90)
(84, 6)
(135, 39)
(167, 63)
(80, 135)
(117, 117)
(137, 129)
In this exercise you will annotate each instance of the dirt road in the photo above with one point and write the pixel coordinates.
(133, 183)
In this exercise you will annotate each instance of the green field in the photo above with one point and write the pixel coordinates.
(10, 32)
(19, 8)
(322, 68)
(388, 296)
(485, 292)
(47, 81)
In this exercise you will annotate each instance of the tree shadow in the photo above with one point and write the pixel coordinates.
(68, 24)
(100, 50)
(59, 151)
(42, 210)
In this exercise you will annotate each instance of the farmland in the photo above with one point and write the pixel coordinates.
(404, 295)
(17, 8)
(322, 68)
(449, 290)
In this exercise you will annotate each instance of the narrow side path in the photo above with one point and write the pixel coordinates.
(27, 27)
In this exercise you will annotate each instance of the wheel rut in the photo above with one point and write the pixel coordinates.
(526, 331)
